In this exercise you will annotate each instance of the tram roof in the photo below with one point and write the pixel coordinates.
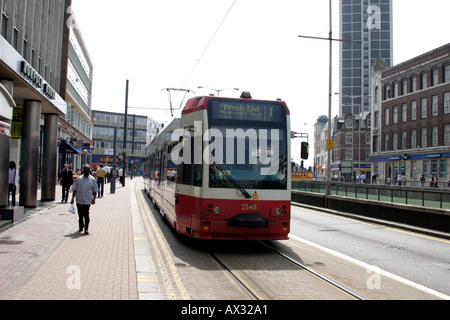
(201, 103)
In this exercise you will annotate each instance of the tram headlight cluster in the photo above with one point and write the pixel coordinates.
(280, 211)
(212, 209)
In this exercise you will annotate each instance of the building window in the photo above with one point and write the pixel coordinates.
(387, 92)
(443, 169)
(15, 37)
(434, 168)
(435, 77)
(414, 110)
(386, 116)
(386, 142)
(414, 169)
(395, 90)
(349, 124)
(424, 108)
(424, 81)
(404, 112)
(414, 138)
(435, 138)
(377, 93)
(349, 138)
(424, 138)
(4, 25)
(426, 168)
(395, 116)
(446, 102)
(447, 135)
(435, 106)
(413, 84)
(447, 73)
(404, 140)
(395, 141)
(377, 119)
(404, 87)
(348, 154)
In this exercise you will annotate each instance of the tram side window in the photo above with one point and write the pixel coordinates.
(191, 174)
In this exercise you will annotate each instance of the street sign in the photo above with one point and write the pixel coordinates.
(330, 144)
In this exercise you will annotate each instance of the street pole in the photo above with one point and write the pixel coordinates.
(124, 167)
(330, 99)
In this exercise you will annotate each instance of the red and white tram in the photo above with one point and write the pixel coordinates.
(223, 170)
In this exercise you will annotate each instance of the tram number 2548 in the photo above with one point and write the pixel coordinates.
(249, 207)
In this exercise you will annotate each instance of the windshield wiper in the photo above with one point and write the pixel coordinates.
(231, 180)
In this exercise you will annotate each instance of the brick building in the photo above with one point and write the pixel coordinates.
(411, 118)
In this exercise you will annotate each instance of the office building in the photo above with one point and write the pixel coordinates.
(75, 135)
(366, 30)
(108, 137)
(33, 45)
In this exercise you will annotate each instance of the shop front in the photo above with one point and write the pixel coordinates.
(32, 121)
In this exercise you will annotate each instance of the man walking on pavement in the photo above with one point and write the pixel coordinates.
(85, 190)
(66, 180)
(101, 176)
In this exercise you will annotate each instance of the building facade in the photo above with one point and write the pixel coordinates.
(320, 150)
(366, 30)
(33, 45)
(75, 135)
(108, 134)
(412, 119)
(351, 153)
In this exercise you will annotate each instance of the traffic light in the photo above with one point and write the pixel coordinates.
(305, 151)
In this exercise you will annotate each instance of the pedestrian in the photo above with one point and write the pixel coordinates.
(436, 182)
(13, 177)
(101, 176)
(66, 181)
(431, 182)
(422, 181)
(114, 174)
(108, 173)
(121, 177)
(85, 190)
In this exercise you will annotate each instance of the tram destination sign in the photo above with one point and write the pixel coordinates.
(244, 110)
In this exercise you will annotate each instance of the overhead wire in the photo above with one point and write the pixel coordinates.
(201, 55)
(209, 43)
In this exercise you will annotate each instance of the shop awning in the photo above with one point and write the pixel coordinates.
(66, 147)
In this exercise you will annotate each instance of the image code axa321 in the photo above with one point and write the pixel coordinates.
(222, 170)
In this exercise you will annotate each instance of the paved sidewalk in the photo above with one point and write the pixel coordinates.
(45, 257)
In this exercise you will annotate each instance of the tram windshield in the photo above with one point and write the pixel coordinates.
(248, 144)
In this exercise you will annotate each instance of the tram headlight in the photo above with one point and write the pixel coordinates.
(217, 210)
(278, 211)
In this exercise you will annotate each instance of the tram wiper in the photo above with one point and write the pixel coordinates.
(231, 180)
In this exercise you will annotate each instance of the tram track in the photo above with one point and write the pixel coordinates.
(243, 279)
(317, 274)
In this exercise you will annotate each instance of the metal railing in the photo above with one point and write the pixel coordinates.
(415, 196)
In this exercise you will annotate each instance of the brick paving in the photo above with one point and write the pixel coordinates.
(45, 257)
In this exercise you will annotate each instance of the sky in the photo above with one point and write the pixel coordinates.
(252, 45)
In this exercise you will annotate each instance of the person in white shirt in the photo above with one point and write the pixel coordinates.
(121, 176)
(85, 190)
(12, 182)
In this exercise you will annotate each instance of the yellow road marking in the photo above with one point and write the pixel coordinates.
(152, 228)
